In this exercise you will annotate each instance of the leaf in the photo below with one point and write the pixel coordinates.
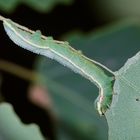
(124, 116)
(39, 5)
(46, 5)
(116, 9)
(12, 129)
(8, 5)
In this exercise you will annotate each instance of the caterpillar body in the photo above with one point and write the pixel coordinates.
(66, 55)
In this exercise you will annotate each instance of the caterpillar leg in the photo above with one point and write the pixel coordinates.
(103, 101)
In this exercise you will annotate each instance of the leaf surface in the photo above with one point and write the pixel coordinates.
(39, 5)
(12, 129)
(124, 115)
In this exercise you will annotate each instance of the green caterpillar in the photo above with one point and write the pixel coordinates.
(66, 55)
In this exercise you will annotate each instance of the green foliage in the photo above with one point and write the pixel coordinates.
(12, 129)
(39, 5)
(119, 9)
(124, 116)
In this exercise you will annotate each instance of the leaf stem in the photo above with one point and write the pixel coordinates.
(17, 70)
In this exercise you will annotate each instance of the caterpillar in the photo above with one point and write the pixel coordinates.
(66, 55)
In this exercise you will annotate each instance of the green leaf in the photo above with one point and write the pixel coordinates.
(39, 5)
(124, 115)
(116, 9)
(11, 128)
(45, 5)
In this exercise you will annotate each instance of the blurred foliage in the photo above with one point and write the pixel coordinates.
(112, 9)
(39, 5)
(12, 129)
(74, 96)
